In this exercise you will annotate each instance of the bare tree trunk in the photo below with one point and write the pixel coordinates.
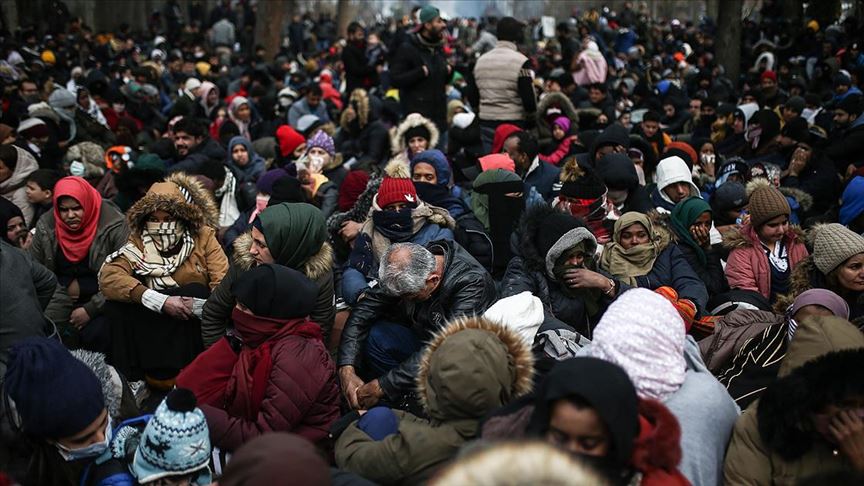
(712, 9)
(728, 46)
(269, 23)
(344, 14)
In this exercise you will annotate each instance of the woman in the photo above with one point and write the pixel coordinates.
(806, 421)
(643, 333)
(245, 164)
(837, 264)
(641, 255)
(157, 282)
(208, 101)
(241, 115)
(288, 234)
(431, 173)
(16, 165)
(320, 157)
(73, 241)
(765, 250)
(691, 224)
(414, 135)
(599, 418)
(274, 374)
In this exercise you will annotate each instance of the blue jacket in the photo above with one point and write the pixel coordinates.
(543, 177)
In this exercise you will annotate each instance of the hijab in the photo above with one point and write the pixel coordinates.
(294, 232)
(626, 265)
(236, 103)
(276, 292)
(684, 214)
(206, 88)
(253, 169)
(75, 244)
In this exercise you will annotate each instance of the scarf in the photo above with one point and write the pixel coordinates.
(441, 196)
(778, 257)
(150, 263)
(684, 214)
(593, 212)
(76, 243)
(626, 265)
(236, 103)
(386, 227)
(294, 232)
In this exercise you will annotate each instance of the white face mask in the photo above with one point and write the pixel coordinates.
(91, 451)
(76, 168)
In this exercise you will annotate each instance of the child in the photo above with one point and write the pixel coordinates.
(561, 136)
(40, 192)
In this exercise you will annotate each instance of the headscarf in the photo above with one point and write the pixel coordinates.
(643, 333)
(75, 244)
(480, 201)
(236, 103)
(294, 232)
(626, 265)
(605, 387)
(502, 212)
(276, 292)
(821, 297)
(253, 169)
(684, 214)
(8, 210)
(206, 88)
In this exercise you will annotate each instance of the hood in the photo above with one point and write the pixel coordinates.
(397, 142)
(550, 103)
(673, 169)
(25, 166)
(822, 364)
(360, 101)
(532, 228)
(805, 200)
(745, 237)
(748, 110)
(613, 135)
(658, 445)
(568, 241)
(472, 367)
(197, 210)
(315, 267)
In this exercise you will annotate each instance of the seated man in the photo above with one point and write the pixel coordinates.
(422, 287)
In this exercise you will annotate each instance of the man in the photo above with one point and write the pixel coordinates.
(650, 130)
(599, 99)
(524, 149)
(843, 87)
(358, 72)
(505, 82)
(420, 71)
(848, 135)
(772, 96)
(309, 105)
(186, 102)
(793, 108)
(426, 286)
(27, 94)
(195, 150)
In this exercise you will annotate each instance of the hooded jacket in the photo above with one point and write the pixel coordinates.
(14, 188)
(747, 266)
(546, 106)
(253, 169)
(398, 145)
(773, 442)
(365, 138)
(469, 368)
(206, 264)
(669, 171)
(466, 288)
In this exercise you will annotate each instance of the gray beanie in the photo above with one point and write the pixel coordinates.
(62, 98)
(833, 244)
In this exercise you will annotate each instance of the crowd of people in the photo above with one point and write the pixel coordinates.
(431, 250)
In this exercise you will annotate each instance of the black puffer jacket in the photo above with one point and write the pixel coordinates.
(466, 289)
(418, 92)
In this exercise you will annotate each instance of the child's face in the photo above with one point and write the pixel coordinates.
(557, 132)
(37, 195)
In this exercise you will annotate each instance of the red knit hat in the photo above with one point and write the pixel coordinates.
(396, 186)
(288, 139)
(768, 74)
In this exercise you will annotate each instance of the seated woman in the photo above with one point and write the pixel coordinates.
(414, 135)
(397, 216)
(837, 264)
(598, 417)
(313, 169)
(641, 255)
(691, 224)
(274, 374)
(73, 241)
(156, 282)
(808, 420)
(244, 118)
(245, 164)
(765, 250)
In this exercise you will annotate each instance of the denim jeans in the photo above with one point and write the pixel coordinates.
(388, 345)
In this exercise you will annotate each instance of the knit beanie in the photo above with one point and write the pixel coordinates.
(352, 187)
(578, 183)
(62, 98)
(322, 141)
(833, 244)
(555, 225)
(56, 395)
(564, 123)
(437, 160)
(416, 131)
(267, 179)
(288, 139)
(618, 172)
(176, 441)
(683, 151)
(768, 74)
(396, 186)
(766, 203)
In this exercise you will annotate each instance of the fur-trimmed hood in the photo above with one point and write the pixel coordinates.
(360, 101)
(805, 200)
(551, 100)
(397, 142)
(745, 237)
(821, 366)
(800, 281)
(315, 267)
(471, 367)
(658, 445)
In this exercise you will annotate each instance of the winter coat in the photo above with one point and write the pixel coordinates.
(217, 310)
(711, 273)
(747, 267)
(398, 144)
(206, 264)
(366, 139)
(848, 149)
(805, 277)
(469, 368)
(554, 101)
(466, 288)
(472, 236)
(543, 176)
(819, 180)
(773, 443)
(731, 332)
(14, 188)
(358, 72)
(418, 92)
(207, 152)
(111, 233)
(301, 395)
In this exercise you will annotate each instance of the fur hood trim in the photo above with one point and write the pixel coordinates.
(201, 197)
(560, 100)
(397, 169)
(315, 267)
(360, 99)
(518, 351)
(745, 237)
(199, 213)
(112, 384)
(659, 443)
(397, 142)
(804, 199)
(800, 281)
(572, 171)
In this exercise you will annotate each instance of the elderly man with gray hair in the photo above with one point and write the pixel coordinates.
(420, 289)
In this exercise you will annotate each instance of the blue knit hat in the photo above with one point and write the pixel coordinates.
(436, 159)
(56, 395)
(175, 442)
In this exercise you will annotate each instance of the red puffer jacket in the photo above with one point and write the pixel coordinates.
(286, 384)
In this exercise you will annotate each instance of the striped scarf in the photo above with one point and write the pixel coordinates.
(149, 263)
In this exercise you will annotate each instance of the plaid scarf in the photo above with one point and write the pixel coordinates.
(150, 263)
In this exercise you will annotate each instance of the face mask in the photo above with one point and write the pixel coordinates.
(165, 235)
(316, 163)
(431, 193)
(261, 201)
(91, 451)
(77, 169)
(118, 107)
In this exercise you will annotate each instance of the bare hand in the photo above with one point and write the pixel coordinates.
(425, 70)
(79, 318)
(350, 384)
(847, 429)
(799, 162)
(25, 241)
(369, 394)
(700, 234)
(178, 308)
(350, 230)
(581, 278)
